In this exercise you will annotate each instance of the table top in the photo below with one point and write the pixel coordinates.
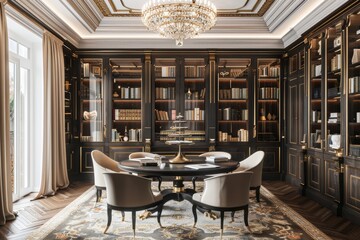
(168, 169)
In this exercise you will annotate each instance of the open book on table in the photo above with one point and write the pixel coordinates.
(201, 166)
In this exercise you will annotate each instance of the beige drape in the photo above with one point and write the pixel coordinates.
(6, 207)
(54, 171)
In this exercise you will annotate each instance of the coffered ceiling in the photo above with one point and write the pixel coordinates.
(241, 24)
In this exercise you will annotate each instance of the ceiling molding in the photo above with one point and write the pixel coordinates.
(257, 8)
(280, 11)
(326, 8)
(85, 13)
(45, 15)
(191, 44)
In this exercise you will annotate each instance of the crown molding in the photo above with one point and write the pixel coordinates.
(191, 44)
(324, 9)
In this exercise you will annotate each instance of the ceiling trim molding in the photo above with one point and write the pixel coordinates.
(47, 17)
(326, 8)
(189, 44)
(104, 8)
(85, 12)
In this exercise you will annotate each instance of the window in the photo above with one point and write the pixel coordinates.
(25, 72)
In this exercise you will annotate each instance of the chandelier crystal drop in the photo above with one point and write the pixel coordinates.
(179, 19)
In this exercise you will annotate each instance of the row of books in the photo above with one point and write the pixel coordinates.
(195, 95)
(354, 84)
(269, 71)
(165, 93)
(163, 115)
(127, 114)
(269, 93)
(335, 62)
(233, 93)
(169, 71)
(242, 136)
(232, 114)
(194, 71)
(194, 114)
(193, 138)
(130, 93)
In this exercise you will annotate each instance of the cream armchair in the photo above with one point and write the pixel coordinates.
(102, 164)
(126, 192)
(211, 154)
(135, 155)
(253, 163)
(227, 192)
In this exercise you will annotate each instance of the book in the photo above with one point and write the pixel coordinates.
(214, 159)
(201, 166)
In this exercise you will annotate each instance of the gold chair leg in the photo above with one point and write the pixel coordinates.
(145, 215)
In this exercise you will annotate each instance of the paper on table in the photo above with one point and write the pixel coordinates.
(201, 166)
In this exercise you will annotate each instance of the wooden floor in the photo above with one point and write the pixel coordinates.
(33, 214)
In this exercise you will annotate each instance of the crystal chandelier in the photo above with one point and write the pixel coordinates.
(179, 19)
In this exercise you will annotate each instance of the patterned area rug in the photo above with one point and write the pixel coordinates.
(269, 219)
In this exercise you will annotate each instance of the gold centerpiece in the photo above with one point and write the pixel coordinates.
(179, 135)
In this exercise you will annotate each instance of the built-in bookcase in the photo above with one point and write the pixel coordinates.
(126, 75)
(334, 67)
(268, 100)
(233, 99)
(353, 80)
(165, 108)
(316, 76)
(91, 100)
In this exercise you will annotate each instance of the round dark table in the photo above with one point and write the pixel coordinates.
(177, 193)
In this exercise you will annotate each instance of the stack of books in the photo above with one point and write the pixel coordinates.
(334, 117)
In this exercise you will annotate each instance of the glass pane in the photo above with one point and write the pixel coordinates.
(23, 51)
(334, 66)
(233, 99)
(126, 92)
(13, 46)
(194, 90)
(23, 86)
(12, 77)
(91, 88)
(315, 92)
(165, 89)
(354, 85)
(268, 99)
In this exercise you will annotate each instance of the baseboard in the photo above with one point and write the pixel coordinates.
(351, 214)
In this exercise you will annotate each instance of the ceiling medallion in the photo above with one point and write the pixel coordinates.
(179, 19)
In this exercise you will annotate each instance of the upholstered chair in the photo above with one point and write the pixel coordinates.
(102, 164)
(135, 155)
(254, 163)
(211, 154)
(226, 192)
(126, 192)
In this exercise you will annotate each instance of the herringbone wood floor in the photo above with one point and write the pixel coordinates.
(33, 214)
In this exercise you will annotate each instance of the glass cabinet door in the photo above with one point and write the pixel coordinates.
(268, 96)
(126, 99)
(353, 64)
(194, 98)
(91, 100)
(233, 100)
(332, 86)
(165, 94)
(316, 75)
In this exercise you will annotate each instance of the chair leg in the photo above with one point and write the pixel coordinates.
(246, 215)
(109, 219)
(160, 181)
(195, 214)
(193, 182)
(258, 194)
(133, 218)
(123, 216)
(98, 194)
(221, 223)
(232, 216)
(160, 208)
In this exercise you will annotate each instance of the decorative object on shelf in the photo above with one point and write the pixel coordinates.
(179, 19)
(269, 116)
(188, 94)
(115, 95)
(90, 115)
(126, 138)
(179, 135)
(356, 56)
(335, 141)
(262, 114)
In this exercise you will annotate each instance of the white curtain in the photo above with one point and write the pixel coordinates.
(6, 206)
(54, 170)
